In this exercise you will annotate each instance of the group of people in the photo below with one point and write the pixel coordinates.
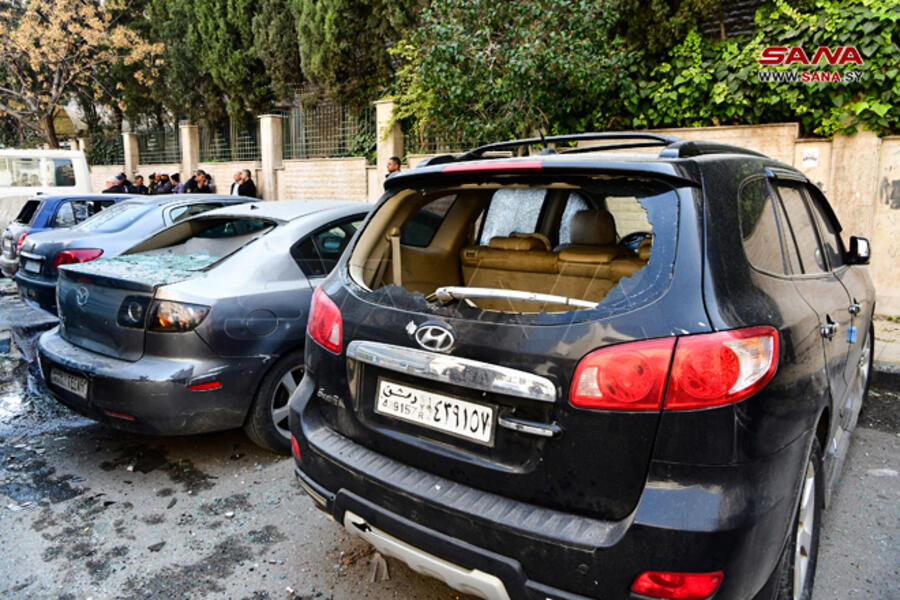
(161, 183)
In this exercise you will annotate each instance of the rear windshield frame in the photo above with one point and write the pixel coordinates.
(630, 293)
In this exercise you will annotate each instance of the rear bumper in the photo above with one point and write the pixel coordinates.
(153, 391)
(37, 292)
(8, 266)
(693, 519)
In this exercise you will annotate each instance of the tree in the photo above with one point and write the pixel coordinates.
(221, 35)
(344, 44)
(476, 70)
(658, 25)
(276, 46)
(50, 47)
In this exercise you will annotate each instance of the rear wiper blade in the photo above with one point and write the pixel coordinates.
(450, 293)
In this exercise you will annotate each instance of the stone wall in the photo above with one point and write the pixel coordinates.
(323, 179)
(100, 173)
(223, 174)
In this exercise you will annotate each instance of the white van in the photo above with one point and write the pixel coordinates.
(27, 173)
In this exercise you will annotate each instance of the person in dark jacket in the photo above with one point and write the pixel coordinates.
(163, 185)
(177, 186)
(138, 187)
(113, 187)
(192, 184)
(247, 187)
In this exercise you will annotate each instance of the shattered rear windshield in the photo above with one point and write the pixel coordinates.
(115, 218)
(583, 247)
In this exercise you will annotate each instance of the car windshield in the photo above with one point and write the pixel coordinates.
(114, 218)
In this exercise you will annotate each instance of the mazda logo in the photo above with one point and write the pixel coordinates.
(432, 336)
(81, 296)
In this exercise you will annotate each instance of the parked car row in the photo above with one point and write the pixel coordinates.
(583, 374)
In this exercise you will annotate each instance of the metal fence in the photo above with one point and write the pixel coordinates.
(418, 143)
(159, 146)
(228, 143)
(328, 131)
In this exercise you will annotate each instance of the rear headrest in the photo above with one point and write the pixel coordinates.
(538, 236)
(644, 248)
(593, 228)
(517, 243)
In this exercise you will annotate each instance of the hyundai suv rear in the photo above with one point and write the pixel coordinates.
(590, 373)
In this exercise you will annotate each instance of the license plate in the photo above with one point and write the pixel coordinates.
(71, 383)
(32, 266)
(460, 418)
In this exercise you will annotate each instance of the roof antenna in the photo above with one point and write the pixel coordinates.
(546, 148)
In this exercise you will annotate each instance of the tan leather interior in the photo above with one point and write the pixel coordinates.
(586, 269)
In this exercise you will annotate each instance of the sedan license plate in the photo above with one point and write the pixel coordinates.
(460, 418)
(71, 383)
(32, 266)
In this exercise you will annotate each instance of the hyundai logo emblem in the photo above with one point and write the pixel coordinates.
(81, 296)
(434, 336)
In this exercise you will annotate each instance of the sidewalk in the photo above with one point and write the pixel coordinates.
(887, 353)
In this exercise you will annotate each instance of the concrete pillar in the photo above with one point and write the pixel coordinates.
(190, 149)
(271, 151)
(132, 155)
(389, 139)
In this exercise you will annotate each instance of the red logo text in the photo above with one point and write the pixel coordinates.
(782, 55)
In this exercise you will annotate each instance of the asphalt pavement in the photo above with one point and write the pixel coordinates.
(88, 512)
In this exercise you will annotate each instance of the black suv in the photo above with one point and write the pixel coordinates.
(594, 372)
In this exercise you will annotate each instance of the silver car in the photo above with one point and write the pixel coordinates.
(201, 326)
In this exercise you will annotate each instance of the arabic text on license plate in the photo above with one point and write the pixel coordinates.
(71, 383)
(460, 418)
(33, 266)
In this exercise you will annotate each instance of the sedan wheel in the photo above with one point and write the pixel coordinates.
(267, 422)
(280, 398)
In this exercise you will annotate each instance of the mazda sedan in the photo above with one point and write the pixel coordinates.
(201, 327)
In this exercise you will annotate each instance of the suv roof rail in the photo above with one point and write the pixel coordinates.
(689, 148)
(674, 147)
(657, 139)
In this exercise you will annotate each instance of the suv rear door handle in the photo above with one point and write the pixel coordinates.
(829, 329)
(854, 307)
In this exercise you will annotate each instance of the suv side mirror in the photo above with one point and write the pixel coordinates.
(859, 251)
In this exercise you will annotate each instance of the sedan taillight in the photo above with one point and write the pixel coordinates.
(707, 370)
(79, 255)
(324, 324)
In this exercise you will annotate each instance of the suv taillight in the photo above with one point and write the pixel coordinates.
(20, 242)
(70, 257)
(677, 586)
(707, 370)
(324, 323)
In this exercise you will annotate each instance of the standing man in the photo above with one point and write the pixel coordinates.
(163, 185)
(247, 188)
(238, 178)
(393, 165)
(113, 186)
(138, 187)
(191, 185)
(177, 186)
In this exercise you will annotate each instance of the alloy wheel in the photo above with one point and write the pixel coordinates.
(281, 398)
(805, 527)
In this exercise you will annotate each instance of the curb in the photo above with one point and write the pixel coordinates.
(886, 374)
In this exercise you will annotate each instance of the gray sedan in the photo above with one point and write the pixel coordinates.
(105, 234)
(200, 327)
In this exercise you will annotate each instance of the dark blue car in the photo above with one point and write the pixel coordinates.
(49, 212)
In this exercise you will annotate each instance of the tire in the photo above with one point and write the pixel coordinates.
(795, 574)
(267, 421)
(865, 365)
